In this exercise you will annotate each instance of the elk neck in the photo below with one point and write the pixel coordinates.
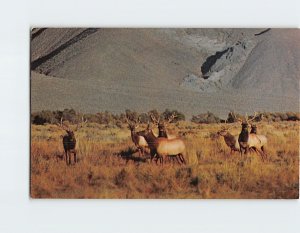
(71, 136)
(151, 139)
(162, 133)
(244, 135)
(253, 130)
(134, 135)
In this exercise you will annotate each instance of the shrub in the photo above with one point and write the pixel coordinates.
(206, 118)
(179, 115)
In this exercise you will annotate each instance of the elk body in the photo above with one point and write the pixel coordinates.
(69, 143)
(230, 140)
(164, 147)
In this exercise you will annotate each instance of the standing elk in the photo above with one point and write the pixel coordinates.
(251, 140)
(163, 147)
(162, 131)
(69, 142)
(137, 137)
(230, 140)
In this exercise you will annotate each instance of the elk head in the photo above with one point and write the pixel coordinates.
(133, 124)
(161, 124)
(245, 122)
(69, 131)
(224, 129)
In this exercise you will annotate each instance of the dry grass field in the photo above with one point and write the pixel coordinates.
(105, 169)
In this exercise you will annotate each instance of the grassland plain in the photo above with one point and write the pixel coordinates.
(105, 169)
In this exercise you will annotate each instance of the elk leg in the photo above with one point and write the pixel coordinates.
(182, 158)
(241, 152)
(184, 162)
(178, 160)
(69, 157)
(263, 150)
(246, 150)
(66, 155)
(140, 151)
(152, 155)
(75, 157)
(259, 152)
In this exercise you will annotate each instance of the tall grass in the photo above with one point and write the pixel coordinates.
(109, 167)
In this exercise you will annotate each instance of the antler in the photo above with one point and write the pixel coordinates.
(226, 127)
(171, 118)
(61, 125)
(238, 119)
(154, 119)
(138, 120)
(79, 125)
(133, 123)
(127, 120)
(249, 120)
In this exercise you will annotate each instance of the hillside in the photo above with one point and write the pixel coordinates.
(192, 70)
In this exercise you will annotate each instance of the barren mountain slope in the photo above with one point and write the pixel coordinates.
(192, 70)
(273, 67)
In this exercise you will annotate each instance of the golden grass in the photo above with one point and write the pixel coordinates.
(211, 172)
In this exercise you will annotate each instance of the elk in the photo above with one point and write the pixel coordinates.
(137, 137)
(163, 147)
(230, 140)
(162, 131)
(251, 140)
(161, 125)
(69, 142)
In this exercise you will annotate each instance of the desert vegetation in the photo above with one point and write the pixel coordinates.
(109, 164)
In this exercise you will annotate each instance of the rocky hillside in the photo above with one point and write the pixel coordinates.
(192, 70)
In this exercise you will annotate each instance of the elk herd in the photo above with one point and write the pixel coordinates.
(163, 147)
(246, 141)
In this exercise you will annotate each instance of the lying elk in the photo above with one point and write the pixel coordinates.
(69, 142)
(163, 147)
(161, 125)
(251, 140)
(137, 137)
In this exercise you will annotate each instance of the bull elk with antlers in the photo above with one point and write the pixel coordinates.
(137, 137)
(230, 140)
(69, 141)
(164, 147)
(251, 140)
